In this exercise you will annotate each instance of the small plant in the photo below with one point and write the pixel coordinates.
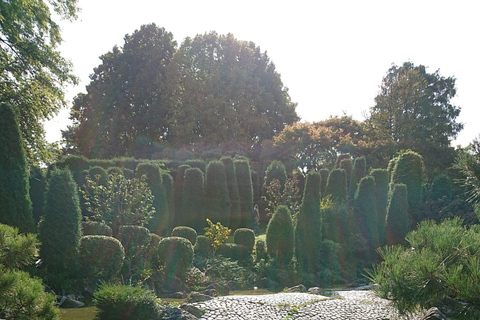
(217, 233)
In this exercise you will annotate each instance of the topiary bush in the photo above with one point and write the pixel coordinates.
(236, 252)
(135, 241)
(359, 171)
(397, 223)
(115, 170)
(197, 163)
(176, 256)
(185, 232)
(245, 191)
(167, 182)
(280, 236)
(102, 259)
(115, 301)
(260, 251)
(192, 212)
(381, 196)
(347, 165)
(236, 216)
(337, 185)
(177, 193)
(324, 173)
(218, 207)
(245, 237)
(275, 170)
(203, 247)
(99, 173)
(92, 228)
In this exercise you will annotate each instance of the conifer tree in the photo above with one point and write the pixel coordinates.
(337, 185)
(178, 190)
(347, 165)
(359, 171)
(167, 182)
(280, 236)
(397, 221)
(245, 191)
(192, 212)
(381, 195)
(236, 216)
(275, 170)
(216, 191)
(15, 204)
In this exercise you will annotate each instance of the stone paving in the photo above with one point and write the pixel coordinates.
(357, 305)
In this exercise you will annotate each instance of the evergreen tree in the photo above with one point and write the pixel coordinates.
(381, 195)
(167, 182)
(347, 165)
(324, 173)
(359, 171)
(397, 222)
(275, 170)
(337, 185)
(15, 204)
(38, 185)
(178, 190)
(192, 212)
(60, 230)
(236, 216)
(245, 191)
(308, 237)
(216, 191)
(280, 236)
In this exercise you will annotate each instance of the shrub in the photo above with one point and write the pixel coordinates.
(280, 241)
(203, 247)
(192, 212)
(275, 170)
(341, 157)
(16, 250)
(178, 191)
(347, 165)
(324, 173)
(115, 301)
(38, 185)
(260, 250)
(397, 223)
(115, 170)
(168, 185)
(60, 230)
(96, 228)
(381, 196)
(185, 232)
(216, 191)
(99, 174)
(359, 171)
(309, 225)
(441, 188)
(128, 173)
(217, 234)
(337, 185)
(245, 237)
(102, 259)
(77, 165)
(245, 191)
(15, 204)
(176, 256)
(135, 241)
(236, 252)
(197, 163)
(232, 184)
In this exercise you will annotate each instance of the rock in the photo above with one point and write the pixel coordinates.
(169, 312)
(197, 297)
(209, 292)
(315, 290)
(323, 292)
(178, 295)
(170, 285)
(197, 312)
(434, 314)
(69, 302)
(299, 288)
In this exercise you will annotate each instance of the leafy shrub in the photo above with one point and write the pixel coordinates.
(245, 237)
(176, 256)
(185, 232)
(397, 222)
(280, 233)
(16, 250)
(115, 170)
(203, 247)
(275, 170)
(236, 252)
(441, 188)
(125, 302)
(99, 174)
(192, 212)
(260, 250)
(216, 191)
(96, 228)
(217, 234)
(135, 241)
(245, 191)
(337, 185)
(128, 173)
(102, 259)
(232, 184)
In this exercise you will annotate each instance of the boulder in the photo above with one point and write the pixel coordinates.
(298, 288)
(178, 295)
(198, 297)
(209, 292)
(197, 312)
(434, 314)
(167, 311)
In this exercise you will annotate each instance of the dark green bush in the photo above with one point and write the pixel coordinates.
(280, 236)
(397, 222)
(197, 163)
(122, 302)
(102, 259)
(347, 165)
(260, 251)
(92, 228)
(192, 212)
(381, 195)
(309, 225)
(128, 173)
(236, 215)
(167, 182)
(341, 157)
(15, 204)
(441, 188)
(324, 173)
(235, 252)
(275, 170)
(176, 256)
(178, 191)
(185, 232)
(359, 171)
(135, 241)
(245, 237)
(38, 185)
(99, 173)
(337, 185)
(77, 165)
(115, 170)
(245, 191)
(216, 191)
(60, 229)
(203, 247)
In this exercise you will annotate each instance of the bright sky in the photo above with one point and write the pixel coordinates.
(332, 55)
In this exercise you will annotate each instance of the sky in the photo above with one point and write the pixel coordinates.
(331, 55)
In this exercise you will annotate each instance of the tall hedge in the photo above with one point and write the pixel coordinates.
(337, 185)
(409, 171)
(381, 195)
(218, 206)
(236, 215)
(365, 211)
(309, 226)
(324, 173)
(359, 171)
(192, 210)
(280, 236)
(178, 191)
(347, 165)
(341, 157)
(397, 222)
(275, 170)
(15, 204)
(38, 185)
(159, 222)
(245, 191)
(60, 230)
(167, 182)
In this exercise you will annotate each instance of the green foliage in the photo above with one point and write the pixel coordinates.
(115, 170)
(217, 234)
(441, 188)
(359, 171)
(216, 191)
(203, 247)
(168, 185)
(440, 265)
(96, 228)
(60, 230)
(409, 171)
(176, 256)
(99, 174)
(381, 195)
(244, 237)
(287, 195)
(15, 204)
(324, 173)
(197, 163)
(280, 236)
(337, 185)
(347, 165)
(76, 164)
(38, 185)
(192, 212)
(245, 191)
(16, 250)
(236, 252)
(178, 192)
(115, 301)
(236, 215)
(185, 232)
(102, 259)
(336, 220)
(135, 240)
(275, 170)
(397, 223)
(260, 251)
(309, 226)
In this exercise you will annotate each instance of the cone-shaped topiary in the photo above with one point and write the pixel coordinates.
(15, 204)
(397, 221)
(308, 231)
(347, 165)
(381, 195)
(280, 236)
(337, 185)
(245, 191)
(192, 212)
(60, 230)
(216, 191)
(359, 171)
(236, 215)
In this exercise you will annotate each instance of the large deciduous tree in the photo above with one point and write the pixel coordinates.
(32, 71)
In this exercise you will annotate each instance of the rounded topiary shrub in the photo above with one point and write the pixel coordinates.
(185, 232)
(99, 173)
(102, 258)
(176, 256)
(115, 170)
(245, 237)
(98, 228)
(235, 252)
(203, 247)
(115, 301)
